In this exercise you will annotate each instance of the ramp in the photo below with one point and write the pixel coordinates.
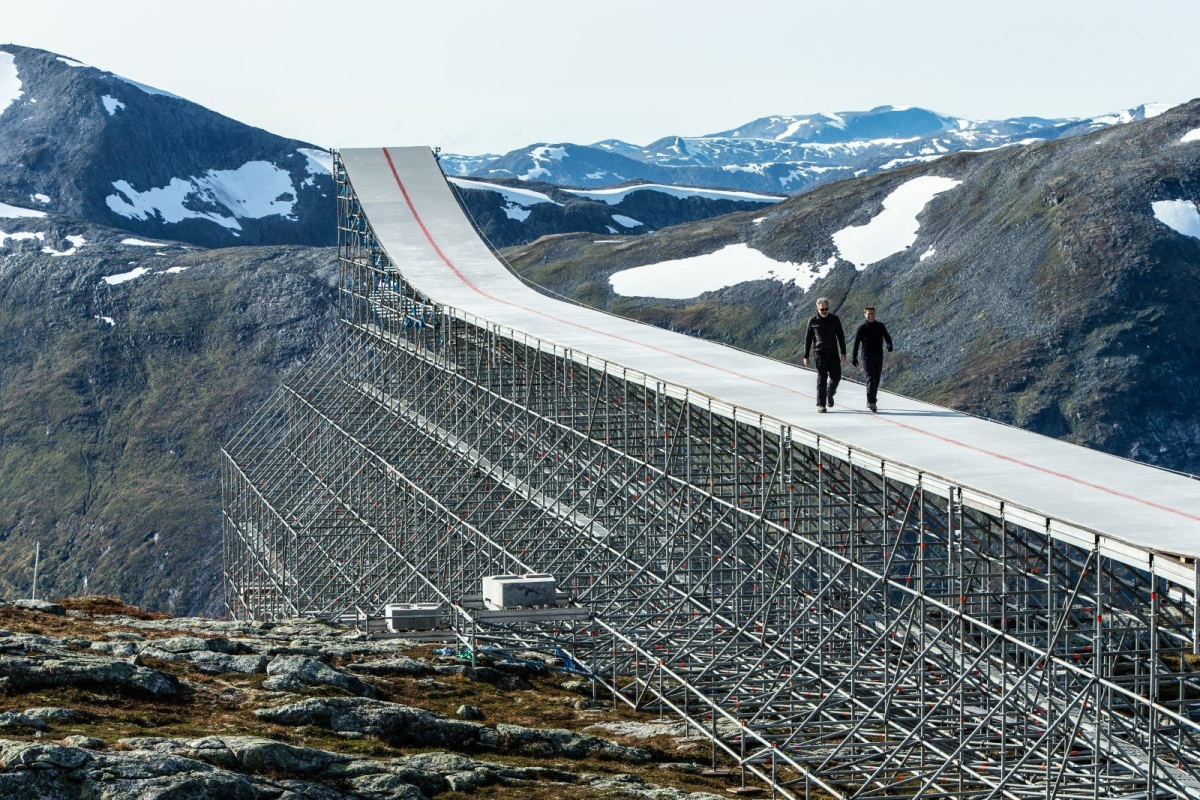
(915, 602)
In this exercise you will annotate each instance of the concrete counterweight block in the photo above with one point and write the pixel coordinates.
(413, 616)
(514, 591)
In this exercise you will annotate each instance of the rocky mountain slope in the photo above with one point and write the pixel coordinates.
(104, 701)
(91, 145)
(126, 365)
(790, 154)
(1048, 285)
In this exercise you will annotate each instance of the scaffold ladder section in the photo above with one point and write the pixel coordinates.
(830, 621)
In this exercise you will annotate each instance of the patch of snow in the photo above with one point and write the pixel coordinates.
(70, 62)
(836, 120)
(608, 241)
(1116, 118)
(899, 162)
(41, 198)
(1180, 216)
(894, 228)
(759, 221)
(554, 153)
(320, 162)
(111, 104)
(147, 89)
(109, 320)
(930, 253)
(514, 211)
(254, 190)
(522, 197)
(175, 270)
(125, 277)
(628, 222)
(615, 196)
(1191, 136)
(20, 236)
(1152, 110)
(139, 243)
(12, 212)
(792, 128)
(10, 83)
(689, 277)
(76, 242)
(611, 229)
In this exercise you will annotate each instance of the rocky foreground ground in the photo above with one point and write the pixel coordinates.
(102, 700)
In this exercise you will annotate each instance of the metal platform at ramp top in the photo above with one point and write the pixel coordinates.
(910, 604)
(419, 223)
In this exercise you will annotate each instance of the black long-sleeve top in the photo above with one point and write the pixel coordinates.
(871, 336)
(825, 335)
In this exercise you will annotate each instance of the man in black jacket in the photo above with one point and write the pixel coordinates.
(871, 335)
(826, 337)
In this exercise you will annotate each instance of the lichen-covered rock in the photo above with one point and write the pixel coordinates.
(258, 755)
(18, 719)
(393, 723)
(52, 713)
(86, 742)
(223, 664)
(468, 712)
(85, 671)
(288, 673)
(561, 742)
(391, 787)
(402, 666)
(44, 606)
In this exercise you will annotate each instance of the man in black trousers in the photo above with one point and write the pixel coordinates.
(826, 337)
(871, 335)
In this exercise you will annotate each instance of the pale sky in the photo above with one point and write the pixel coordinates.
(493, 75)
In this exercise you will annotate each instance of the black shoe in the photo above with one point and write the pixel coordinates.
(829, 402)
(873, 407)
(820, 409)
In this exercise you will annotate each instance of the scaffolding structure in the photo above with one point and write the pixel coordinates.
(828, 619)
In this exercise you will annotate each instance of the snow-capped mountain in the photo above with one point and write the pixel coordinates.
(79, 141)
(789, 154)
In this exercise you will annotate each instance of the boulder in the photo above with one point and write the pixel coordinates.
(223, 664)
(44, 606)
(394, 723)
(391, 667)
(51, 713)
(86, 742)
(561, 742)
(468, 712)
(288, 673)
(85, 671)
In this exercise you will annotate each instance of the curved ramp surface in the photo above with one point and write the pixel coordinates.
(417, 218)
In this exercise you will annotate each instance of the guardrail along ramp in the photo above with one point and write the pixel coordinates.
(915, 603)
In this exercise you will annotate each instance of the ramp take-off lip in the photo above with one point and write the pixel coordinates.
(419, 223)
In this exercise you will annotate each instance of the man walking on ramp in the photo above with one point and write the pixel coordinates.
(826, 337)
(871, 335)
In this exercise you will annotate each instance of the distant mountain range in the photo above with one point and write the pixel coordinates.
(85, 143)
(510, 212)
(1049, 286)
(788, 154)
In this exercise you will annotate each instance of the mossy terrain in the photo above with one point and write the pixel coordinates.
(223, 705)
